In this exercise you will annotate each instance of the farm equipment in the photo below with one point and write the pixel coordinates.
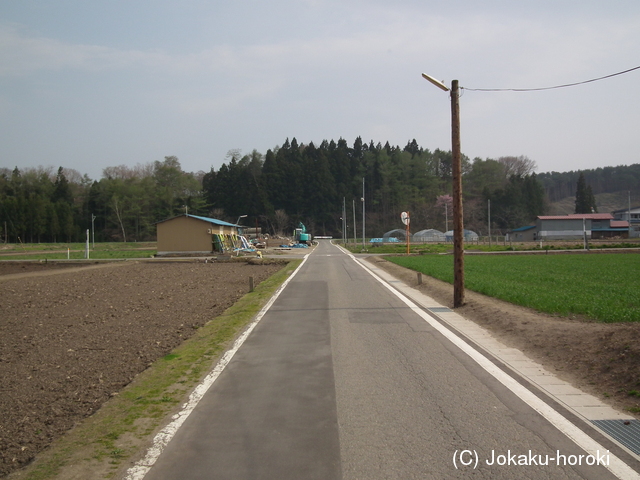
(300, 235)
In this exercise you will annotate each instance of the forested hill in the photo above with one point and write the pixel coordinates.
(288, 184)
(311, 183)
(602, 180)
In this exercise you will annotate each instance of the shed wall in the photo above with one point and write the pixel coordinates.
(185, 234)
(564, 229)
(529, 235)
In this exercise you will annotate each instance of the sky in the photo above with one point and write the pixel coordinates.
(89, 85)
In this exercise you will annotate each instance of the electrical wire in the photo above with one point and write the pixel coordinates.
(548, 88)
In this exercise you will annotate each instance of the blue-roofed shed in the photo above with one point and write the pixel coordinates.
(192, 234)
(523, 234)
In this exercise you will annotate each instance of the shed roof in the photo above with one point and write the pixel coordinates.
(574, 216)
(397, 231)
(523, 229)
(619, 224)
(204, 219)
(625, 210)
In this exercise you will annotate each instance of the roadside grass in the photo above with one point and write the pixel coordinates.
(120, 430)
(426, 248)
(401, 248)
(601, 287)
(76, 251)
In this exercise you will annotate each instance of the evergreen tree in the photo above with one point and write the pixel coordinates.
(62, 191)
(585, 201)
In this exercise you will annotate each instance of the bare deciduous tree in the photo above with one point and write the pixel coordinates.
(518, 166)
(280, 221)
(119, 215)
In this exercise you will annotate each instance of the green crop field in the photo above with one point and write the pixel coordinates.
(76, 251)
(604, 287)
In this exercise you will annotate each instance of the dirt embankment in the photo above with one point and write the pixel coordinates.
(71, 340)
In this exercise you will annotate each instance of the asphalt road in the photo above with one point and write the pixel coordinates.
(340, 379)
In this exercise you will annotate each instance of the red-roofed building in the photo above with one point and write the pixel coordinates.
(631, 214)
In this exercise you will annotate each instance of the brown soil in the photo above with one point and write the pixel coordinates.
(601, 359)
(71, 337)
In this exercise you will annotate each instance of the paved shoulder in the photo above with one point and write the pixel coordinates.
(272, 413)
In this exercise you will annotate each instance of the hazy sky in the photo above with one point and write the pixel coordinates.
(90, 84)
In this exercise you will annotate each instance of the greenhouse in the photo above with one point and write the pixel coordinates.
(469, 236)
(429, 235)
(395, 236)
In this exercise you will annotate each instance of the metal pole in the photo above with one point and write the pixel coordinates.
(628, 214)
(489, 213)
(458, 227)
(355, 233)
(446, 218)
(407, 231)
(93, 232)
(363, 246)
(344, 221)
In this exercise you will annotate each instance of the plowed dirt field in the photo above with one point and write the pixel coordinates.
(71, 337)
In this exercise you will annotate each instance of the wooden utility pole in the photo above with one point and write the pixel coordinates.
(458, 228)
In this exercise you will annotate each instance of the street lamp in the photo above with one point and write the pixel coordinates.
(458, 228)
(241, 216)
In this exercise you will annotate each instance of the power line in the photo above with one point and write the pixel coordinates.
(548, 88)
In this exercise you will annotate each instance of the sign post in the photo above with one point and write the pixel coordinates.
(406, 219)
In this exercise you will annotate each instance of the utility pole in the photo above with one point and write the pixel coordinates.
(446, 217)
(344, 222)
(363, 245)
(489, 215)
(93, 231)
(355, 234)
(458, 228)
(628, 215)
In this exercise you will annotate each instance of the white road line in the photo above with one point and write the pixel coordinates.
(160, 441)
(616, 466)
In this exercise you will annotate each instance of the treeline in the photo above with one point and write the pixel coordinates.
(37, 205)
(289, 184)
(309, 183)
(601, 180)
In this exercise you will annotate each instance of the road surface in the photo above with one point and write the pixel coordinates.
(341, 379)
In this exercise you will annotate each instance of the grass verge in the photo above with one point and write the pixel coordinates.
(602, 287)
(103, 444)
(426, 248)
(76, 251)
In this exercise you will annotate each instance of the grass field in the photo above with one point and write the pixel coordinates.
(401, 248)
(604, 287)
(76, 251)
